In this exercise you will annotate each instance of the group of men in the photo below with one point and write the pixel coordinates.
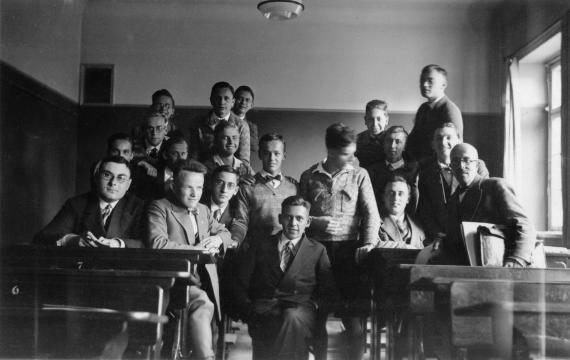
(299, 246)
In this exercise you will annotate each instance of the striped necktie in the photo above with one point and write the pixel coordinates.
(105, 214)
(286, 255)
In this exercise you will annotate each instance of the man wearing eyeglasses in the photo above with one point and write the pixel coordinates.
(489, 200)
(105, 217)
(148, 147)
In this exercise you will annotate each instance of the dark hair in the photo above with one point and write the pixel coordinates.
(221, 85)
(226, 169)
(222, 126)
(152, 113)
(339, 136)
(162, 92)
(397, 178)
(450, 125)
(376, 104)
(118, 136)
(273, 136)
(189, 165)
(115, 159)
(245, 88)
(295, 200)
(395, 129)
(172, 141)
(433, 67)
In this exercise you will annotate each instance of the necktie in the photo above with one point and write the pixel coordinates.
(192, 213)
(274, 180)
(105, 214)
(153, 154)
(404, 230)
(391, 168)
(447, 174)
(217, 214)
(286, 255)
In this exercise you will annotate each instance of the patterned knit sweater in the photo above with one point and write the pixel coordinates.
(258, 207)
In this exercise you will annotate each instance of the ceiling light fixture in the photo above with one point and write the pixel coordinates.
(281, 9)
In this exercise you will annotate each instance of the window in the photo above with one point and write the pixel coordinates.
(555, 196)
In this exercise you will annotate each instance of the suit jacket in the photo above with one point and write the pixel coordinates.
(202, 139)
(434, 196)
(148, 187)
(379, 175)
(390, 236)
(490, 200)
(428, 118)
(168, 226)
(82, 213)
(307, 279)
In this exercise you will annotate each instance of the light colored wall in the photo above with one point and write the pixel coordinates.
(42, 39)
(337, 55)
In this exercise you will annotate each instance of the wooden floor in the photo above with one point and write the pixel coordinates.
(241, 349)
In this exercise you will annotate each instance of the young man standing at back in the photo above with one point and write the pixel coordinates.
(438, 110)
(369, 142)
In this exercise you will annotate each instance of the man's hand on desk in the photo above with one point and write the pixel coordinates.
(212, 244)
(104, 242)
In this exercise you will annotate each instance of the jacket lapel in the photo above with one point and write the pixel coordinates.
(391, 229)
(202, 222)
(288, 281)
(181, 215)
(92, 217)
(471, 200)
(119, 221)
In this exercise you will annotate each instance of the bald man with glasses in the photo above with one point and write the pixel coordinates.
(105, 217)
(478, 199)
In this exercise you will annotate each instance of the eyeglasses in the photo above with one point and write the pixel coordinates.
(156, 129)
(463, 161)
(109, 176)
(230, 186)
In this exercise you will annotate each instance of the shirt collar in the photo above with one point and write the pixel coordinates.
(150, 147)
(397, 164)
(320, 169)
(214, 207)
(226, 118)
(283, 240)
(442, 165)
(436, 100)
(217, 159)
(265, 174)
(103, 204)
(398, 219)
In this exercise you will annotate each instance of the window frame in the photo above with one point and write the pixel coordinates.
(551, 113)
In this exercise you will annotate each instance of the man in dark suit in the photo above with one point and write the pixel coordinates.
(154, 186)
(395, 162)
(223, 187)
(180, 222)
(433, 113)
(106, 216)
(489, 200)
(398, 229)
(282, 284)
(202, 133)
(436, 182)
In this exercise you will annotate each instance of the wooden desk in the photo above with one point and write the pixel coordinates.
(488, 315)
(136, 297)
(429, 288)
(179, 265)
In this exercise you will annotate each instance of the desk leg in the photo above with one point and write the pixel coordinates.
(391, 324)
(179, 346)
(416, 338)
(374, 329)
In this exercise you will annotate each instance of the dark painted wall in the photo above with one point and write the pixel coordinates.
(39, 156)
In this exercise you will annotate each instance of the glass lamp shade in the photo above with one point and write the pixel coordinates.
(281, 9)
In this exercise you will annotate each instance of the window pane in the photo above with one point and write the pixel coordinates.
(555, 173)
(556, 87)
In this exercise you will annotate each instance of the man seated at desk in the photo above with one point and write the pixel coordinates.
(180, 222)
(398, 229)
(477, 199)
(106, 216)
(281, 283)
